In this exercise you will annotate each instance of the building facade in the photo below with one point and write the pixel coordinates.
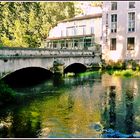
(121, 30)
(83, 32)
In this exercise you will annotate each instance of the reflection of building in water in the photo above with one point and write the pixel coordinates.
(133, 85)
(117, 103)
(104, 112)
(112, 106)
(109, 80)
(109, 108)
(129, 119)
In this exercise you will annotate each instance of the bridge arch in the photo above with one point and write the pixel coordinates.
(27, 76)
(75, 68)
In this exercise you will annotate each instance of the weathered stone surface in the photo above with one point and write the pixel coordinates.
(12, 59)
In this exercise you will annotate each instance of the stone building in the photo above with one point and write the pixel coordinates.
(81, 32)
(121, 30)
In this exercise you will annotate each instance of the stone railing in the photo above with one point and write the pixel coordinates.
(42, 52)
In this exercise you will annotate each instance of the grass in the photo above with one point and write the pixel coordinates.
(126, 73)
(69, 74)
(83, 73)
(89, 73)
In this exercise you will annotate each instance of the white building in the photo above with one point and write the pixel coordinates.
(79, 32)
(121, 30)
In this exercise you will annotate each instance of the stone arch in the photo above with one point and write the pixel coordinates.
(27, 76)
(75, 68)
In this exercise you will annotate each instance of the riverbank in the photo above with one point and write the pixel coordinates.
(123, 73)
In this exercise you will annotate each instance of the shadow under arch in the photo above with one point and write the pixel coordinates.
(75, 68)
(28, 76)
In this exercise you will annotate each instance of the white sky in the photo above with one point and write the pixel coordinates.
(85, 5)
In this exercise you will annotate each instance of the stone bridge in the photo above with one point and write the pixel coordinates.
(54, 60)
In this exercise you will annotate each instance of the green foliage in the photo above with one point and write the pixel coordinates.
(132, 64)
(1, 45)
(7, 95)
(126, 73)
(78, 10)
(27, 24)
(97, 3)
(116, 65)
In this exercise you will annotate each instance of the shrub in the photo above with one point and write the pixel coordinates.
(115, 65)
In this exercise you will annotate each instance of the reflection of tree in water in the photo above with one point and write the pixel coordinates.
(129, 119)
(5, 124)
(109, 113)
(4, 132)
(25, 125)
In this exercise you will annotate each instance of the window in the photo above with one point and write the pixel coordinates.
(70, 31)
(62, 44)
(92, 30)
(54, 44)
(130, 43)
(61, 33)
(131, 22)
(113, 5)
(75, 43)
(132, 4)
(75, 30)
(114, 23)
(87, 42)
(81, 30)
(113, 44)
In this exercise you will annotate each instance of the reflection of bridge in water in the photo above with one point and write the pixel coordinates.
(53, 60)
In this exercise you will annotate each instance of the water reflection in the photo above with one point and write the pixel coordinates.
(58, 80)
(25, 125)
(129, 119)
(5, 125)
(70, 102)
(90, 106)
(112, 106)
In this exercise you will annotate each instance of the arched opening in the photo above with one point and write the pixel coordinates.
(75, 68)
(27, 77)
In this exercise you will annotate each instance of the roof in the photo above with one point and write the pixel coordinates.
(98, 15)
(69, 37)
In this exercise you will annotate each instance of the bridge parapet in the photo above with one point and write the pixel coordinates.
(13, 59)
(20, 52)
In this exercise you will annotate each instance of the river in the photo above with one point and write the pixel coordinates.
(91, 105)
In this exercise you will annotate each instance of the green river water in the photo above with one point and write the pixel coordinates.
(85, 106)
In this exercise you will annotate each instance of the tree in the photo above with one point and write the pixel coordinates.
(27, 24)
(97, 3)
